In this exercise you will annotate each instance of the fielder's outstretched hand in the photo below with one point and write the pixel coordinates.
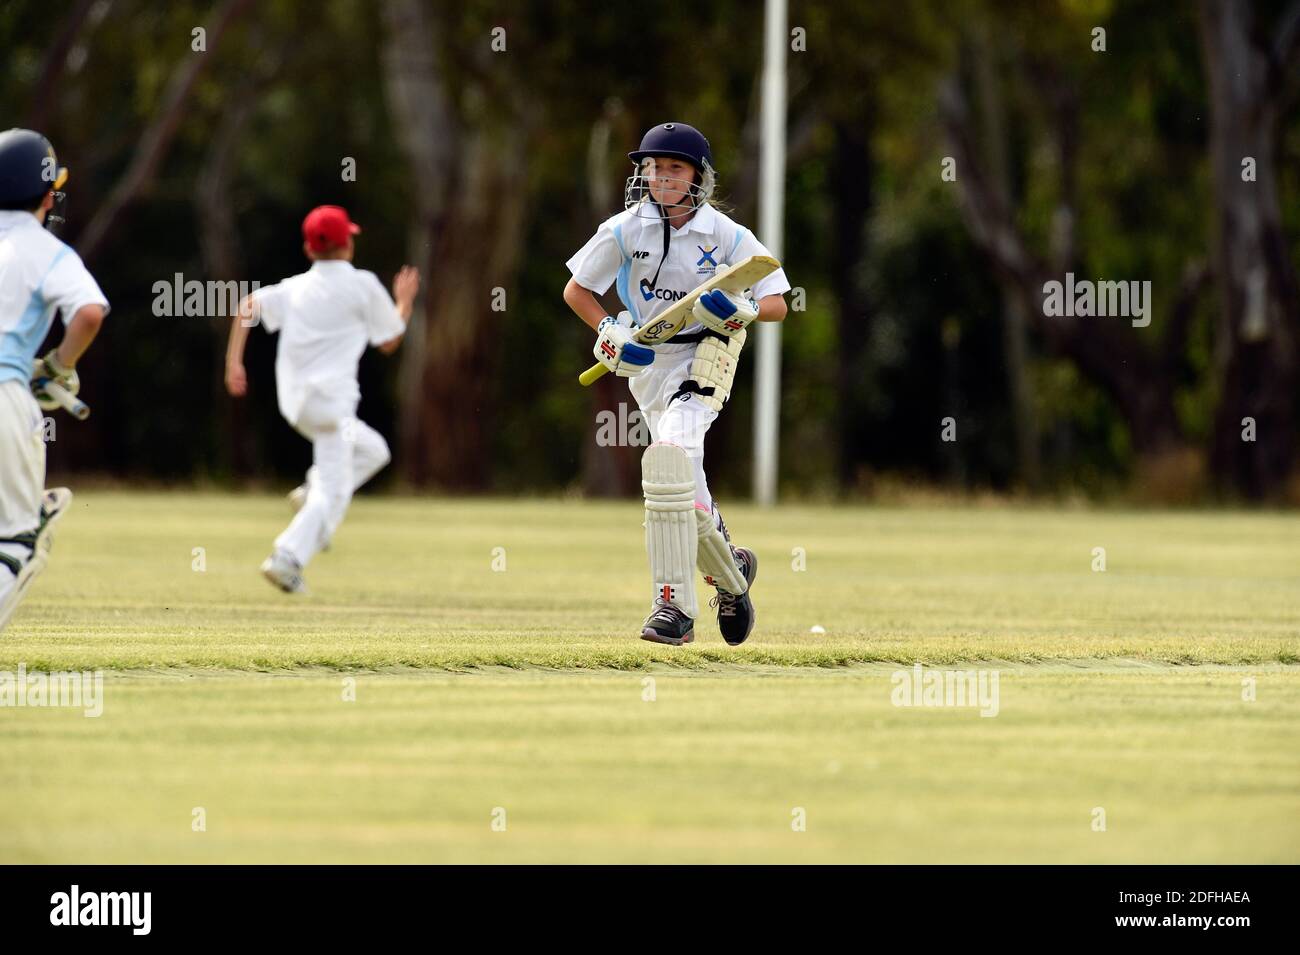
(406, 285)
(236, 380)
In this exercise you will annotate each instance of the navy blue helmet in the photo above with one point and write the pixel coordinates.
(678, 141)
(28, 168)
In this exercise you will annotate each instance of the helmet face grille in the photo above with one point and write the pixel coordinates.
(638, 199)
(54, 219)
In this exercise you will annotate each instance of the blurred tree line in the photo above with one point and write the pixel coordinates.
(1098, 137)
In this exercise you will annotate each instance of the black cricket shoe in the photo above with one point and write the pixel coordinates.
(736, 611)
(667, 624)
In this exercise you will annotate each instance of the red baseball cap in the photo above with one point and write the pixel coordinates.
(328, 227)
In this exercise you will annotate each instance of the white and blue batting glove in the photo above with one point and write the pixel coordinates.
(50, 368)
(615, 349)
(724, 312)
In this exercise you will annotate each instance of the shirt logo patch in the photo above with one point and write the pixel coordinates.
(666, 294)
(707, 257)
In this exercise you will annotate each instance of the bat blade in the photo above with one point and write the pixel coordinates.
(734, 278)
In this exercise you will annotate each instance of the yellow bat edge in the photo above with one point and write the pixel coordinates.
(592, 374)
(681, 308)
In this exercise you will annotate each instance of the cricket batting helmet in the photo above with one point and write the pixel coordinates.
(678, 141)
(28, 168)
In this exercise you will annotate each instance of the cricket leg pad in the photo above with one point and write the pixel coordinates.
(16, 577)
(671, 538)
(716, 560)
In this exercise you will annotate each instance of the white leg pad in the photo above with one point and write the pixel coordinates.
(55, 504)
(668, 481)
(716, 563)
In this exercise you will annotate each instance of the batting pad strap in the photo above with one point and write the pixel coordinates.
(716, 563)
(13, 563)
(668, 482)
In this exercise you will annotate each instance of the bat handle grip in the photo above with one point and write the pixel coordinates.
(70, 402)
(592, 374)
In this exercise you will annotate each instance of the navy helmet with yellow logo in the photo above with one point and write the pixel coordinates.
(29, 169)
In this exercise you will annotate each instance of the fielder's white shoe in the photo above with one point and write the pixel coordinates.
(284, 572)
(54, 504)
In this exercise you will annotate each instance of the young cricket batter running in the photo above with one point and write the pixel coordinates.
(325, 316)
(39, 276)
(669, 240)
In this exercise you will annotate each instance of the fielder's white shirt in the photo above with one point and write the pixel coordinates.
(39, 275)
(326, 316)
(626, 250)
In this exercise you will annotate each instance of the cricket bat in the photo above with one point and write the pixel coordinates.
(69, 402)
(734, 278)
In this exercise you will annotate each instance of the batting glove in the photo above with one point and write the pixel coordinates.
(724, 312)
(50, 368)
(615, 349)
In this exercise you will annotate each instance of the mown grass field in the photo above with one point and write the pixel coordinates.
(491, 649)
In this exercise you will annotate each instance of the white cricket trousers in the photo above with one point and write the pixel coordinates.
(683, 421)
(346, 453)
(22, 469)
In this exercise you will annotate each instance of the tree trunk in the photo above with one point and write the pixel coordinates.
(222, 252)
(850, 180)
(1106, 352)
(155, 141)
(1015, 322)
(469, 191)
(1259, 304)
(427, 133)
(55, 65)
(613, 471)
(476, 254)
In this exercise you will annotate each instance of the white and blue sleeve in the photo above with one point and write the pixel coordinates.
(745, 245)
(69, 286)
(596, 264)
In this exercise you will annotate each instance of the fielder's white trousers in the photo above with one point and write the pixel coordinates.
(346, 453)
(22, 469)
(684, 421)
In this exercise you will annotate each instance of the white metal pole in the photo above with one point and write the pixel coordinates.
(771, 225)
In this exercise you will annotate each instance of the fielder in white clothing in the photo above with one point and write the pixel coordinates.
(39, 277)
(326, 317)
(669, 240)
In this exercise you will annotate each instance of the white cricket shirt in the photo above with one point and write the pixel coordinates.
(326, 316)
(626, 250)
(39, 275)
